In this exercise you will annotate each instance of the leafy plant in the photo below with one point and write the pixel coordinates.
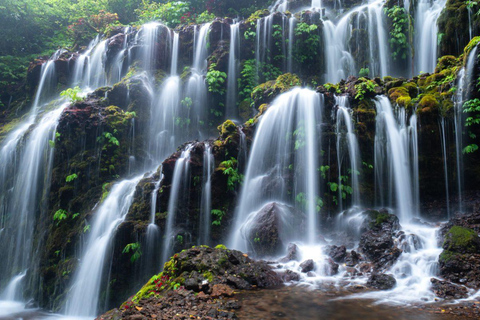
(60, 215)
(218, 214)
(109, 139)
(72, 94)
(364, 72)
(135, 249)
(71, 177)
(472, 108)
(399, 31)
(229, 168)
(365, 86)
(216, 80)
(307, 42)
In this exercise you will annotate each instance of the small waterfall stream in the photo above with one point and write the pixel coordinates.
(233, 67)
(344, 119)
(206, 202)
(83, 298)
(296, 115)
(181, 177)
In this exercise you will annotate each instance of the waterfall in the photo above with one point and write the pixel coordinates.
(233, 70)
(395, 142)
(344, 120)
(464, 77)
(149, 32)
(176, 44)
(11, 291)
(196, 90)
(206, 203)
(292, 22)
(180, 179)
(84, 296)
(153, 231)
(443, 139)
(339, 61)
(28, 168)
(285, 144)
(426, 39)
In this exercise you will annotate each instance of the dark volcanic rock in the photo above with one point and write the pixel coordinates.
(290, 275)
(377, 242)
(266, 229)
(448, 290)
(381, 281)
(173, 292)
(307, 265)
(352, 258)
(338, 254)
(460, 260)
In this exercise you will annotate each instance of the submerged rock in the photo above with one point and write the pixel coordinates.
(381, 281)
(448, 290)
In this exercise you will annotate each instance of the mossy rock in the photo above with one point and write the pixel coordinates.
(445, 62)
(469, 47)
(227, 128)
(266, 92)
(400, 96)
(429, 102)
(461, 240)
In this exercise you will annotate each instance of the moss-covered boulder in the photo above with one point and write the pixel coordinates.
(198, 274)
(460, 260)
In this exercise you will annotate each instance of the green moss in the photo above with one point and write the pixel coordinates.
(447, 256)
(428, 101)
(459, 238)
(445, 62)
(208, 276)
(226, 128)
(282, 84)
(221, 246)
(400, 96)
(466, 52)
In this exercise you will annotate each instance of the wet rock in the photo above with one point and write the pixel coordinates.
(290, 275)
(352, 258)
(381, 281)
(331, 268)
(266, 230)
(377, 242)
(221, 290)
(460, 260)
(311, 274)
(448, 290)
(307, 265)
(338, 254)
(292, 253)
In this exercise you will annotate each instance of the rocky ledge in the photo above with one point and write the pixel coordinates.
(198, 283)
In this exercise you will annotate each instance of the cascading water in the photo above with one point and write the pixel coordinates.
(83, 299)
(394, 143)
(196, 90)
(464, 77)
(233, 70)
(181, 176)
(426, 39)
(285, 144)
(349, 138)
(443, 139)
(339, 59)
(206, 203)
